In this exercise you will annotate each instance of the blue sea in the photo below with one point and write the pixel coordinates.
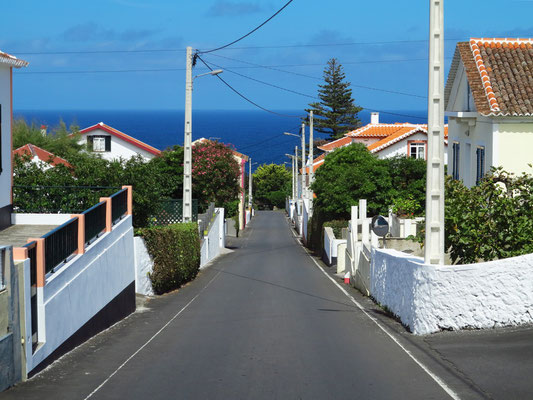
(255, 133)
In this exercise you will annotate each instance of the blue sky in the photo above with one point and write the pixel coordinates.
(398, 63)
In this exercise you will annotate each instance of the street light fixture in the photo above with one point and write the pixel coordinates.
(187, 142)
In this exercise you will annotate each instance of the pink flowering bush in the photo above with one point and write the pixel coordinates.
(215, 174)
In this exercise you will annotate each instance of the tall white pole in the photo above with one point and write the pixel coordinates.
(187, 142)
(292, 177)
(303, 160)
(434, 247)
(250, 185)
(297, 194)
(311, 144)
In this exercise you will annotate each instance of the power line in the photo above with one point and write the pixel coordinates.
(309, 76)
(99, 71)
(246, 98)
(249, 33)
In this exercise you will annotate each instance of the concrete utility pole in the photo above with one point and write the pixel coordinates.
(296, 170)
(303, 160)
(187, 143)
(434, 247)
(311, 144)
(250, 185)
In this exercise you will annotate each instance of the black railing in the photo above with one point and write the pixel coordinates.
(58, 199)
(94, 221)
(60, 244)
(32, 255)
(119, 205)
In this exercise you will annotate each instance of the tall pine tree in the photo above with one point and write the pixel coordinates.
(336, 113)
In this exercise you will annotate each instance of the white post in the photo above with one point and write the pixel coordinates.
(365, 228)
(250, 187)
(303, 160)
(311, 144)
(434, 246)
(296, 170)
(187, 143)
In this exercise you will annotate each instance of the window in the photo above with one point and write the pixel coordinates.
(480, 156)
(417, 149)
(455, 161)
(99, 143)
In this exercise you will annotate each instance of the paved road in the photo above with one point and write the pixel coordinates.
(264, 322)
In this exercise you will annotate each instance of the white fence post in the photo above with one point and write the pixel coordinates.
(365, 228)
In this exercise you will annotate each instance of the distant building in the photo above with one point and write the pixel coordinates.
(44, 159)
(489, 104)
(7, 63)
(388, 140)
(113, 144)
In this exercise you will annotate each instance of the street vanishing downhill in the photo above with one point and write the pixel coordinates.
(262, 322)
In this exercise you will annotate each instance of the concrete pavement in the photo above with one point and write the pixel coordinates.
(263, 322)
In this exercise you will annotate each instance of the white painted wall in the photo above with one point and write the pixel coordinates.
(214, 242)
(85, 285)
(39, 219)
(428, 298)
(144, 265)
(119, 147)
(5, 101)
(331, 244)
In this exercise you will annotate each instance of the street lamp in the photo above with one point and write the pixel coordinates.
(187, 142)
(250, 184)
(303, 154)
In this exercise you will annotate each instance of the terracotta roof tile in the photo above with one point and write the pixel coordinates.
(500, 74)
(41, 154)
(12, 60)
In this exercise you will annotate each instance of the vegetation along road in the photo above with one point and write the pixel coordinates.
(263, 322)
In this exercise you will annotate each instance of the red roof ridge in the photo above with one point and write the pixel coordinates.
(121, 135)
(485, 79)
(41, 154)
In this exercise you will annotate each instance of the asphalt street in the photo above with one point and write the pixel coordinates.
(265, 322)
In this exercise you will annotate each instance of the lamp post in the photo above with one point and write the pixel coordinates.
(187, 142)
(294, 160)
(250, 184)
(302, 135)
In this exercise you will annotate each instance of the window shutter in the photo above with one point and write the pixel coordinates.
(90, 146)
(108, 143)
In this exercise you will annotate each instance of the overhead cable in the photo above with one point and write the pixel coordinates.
(249, 33)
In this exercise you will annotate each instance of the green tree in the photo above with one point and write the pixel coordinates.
(60, 141)
(169, 165)
(336, 113)
(215, 174)
(271, 185)
(349, 174)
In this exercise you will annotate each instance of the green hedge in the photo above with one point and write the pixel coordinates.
(175, 250)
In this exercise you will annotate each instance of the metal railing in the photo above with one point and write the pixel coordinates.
(204, 220)
(60, 244)
(119, 205)
(58, 199)
(94, 221)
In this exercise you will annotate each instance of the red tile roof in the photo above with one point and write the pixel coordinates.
(41, 154)
(345, 141)
(400, 135)
(500, 74)
(317, 162)
(123, 136)
(235, 152)
(12, 60)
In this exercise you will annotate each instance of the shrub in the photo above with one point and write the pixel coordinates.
(337, 226)
(490, 221)
(175, 250)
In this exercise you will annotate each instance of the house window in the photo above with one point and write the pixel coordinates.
(455, 161)
(417, 149)
(480, 156)
(99, 143)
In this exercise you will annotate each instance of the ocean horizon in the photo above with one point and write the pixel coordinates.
(252, 132)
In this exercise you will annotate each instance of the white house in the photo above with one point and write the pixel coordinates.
(41, 157)
(388, 140)
(489, 104)
(114, 144)
(7, 63)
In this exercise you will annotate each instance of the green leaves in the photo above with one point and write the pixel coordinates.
(271, 185)
(490, 221)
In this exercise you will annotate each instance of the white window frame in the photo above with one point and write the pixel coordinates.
(417, 146)
(99, 144)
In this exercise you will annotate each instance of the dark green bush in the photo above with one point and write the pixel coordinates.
(337, 226)
(175, 250)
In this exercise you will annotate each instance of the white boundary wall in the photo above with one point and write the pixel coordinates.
(143, 266)
(215, 239)
(39, 219)
(81, 288)
(428, 298)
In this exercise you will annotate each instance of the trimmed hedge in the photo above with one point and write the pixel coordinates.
(175, 250)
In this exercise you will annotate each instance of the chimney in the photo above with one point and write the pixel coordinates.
(43, 130)
(374, 118)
